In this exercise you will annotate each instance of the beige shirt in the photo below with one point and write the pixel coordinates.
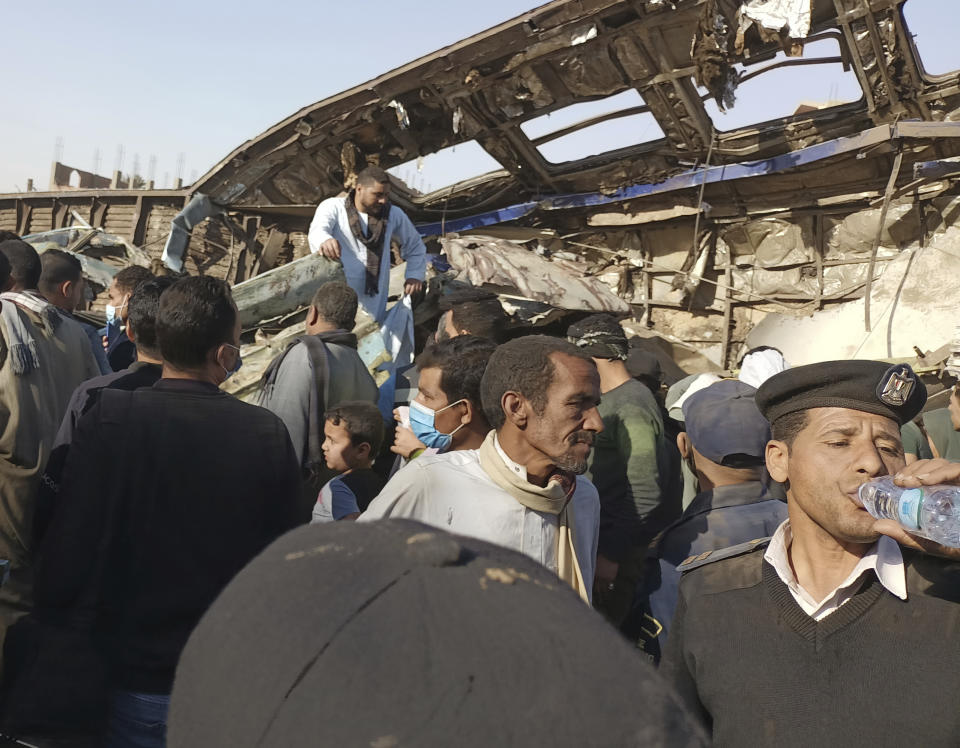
(884, 558)
(452, 491)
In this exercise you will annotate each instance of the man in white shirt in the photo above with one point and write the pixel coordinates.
(523, 488)
(358, 230)
(816, 639)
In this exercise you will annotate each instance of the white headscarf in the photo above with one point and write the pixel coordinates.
(759, 366)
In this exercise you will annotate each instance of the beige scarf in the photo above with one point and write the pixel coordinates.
(553, 499)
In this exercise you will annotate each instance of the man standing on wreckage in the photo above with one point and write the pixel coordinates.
(358, 229)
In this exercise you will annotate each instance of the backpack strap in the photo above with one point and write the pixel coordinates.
(317, 355)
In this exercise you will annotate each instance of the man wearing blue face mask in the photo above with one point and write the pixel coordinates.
(447, 414)
(523, 488)
(121, 352)
(168, 491)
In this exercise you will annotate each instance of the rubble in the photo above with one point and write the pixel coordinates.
(699, 234)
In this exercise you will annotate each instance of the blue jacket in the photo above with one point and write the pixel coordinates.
(724, 516)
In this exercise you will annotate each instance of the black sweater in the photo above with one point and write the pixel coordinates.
(879, 671)
(176, 487)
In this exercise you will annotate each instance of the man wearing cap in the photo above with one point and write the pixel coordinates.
(635, 469)
(724, 441)
(830, 634)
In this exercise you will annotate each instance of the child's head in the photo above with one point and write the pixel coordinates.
(353, 434)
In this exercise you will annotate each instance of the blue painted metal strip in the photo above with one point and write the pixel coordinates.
(710, 175)
(471, 222)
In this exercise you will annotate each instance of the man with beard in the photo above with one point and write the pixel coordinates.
(822, 635)
(358, 230)
(523, 488)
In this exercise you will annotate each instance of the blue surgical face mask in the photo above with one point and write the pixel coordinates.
(236, 367)
(422, 426)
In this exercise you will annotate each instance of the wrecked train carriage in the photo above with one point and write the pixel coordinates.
(703, 231)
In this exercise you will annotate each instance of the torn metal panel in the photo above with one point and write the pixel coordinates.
(511, 269)
(280, 291)
(568, 51)
(915, 301)
(198, 209)
(789, 16)
(712, 174)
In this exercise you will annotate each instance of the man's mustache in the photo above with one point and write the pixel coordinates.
(582, 437)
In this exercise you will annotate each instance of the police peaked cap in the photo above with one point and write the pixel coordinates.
(869, 386)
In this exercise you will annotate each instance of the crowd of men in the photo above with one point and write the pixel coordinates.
(714, 525)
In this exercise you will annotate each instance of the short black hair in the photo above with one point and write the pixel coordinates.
(131, 277)
(462, 361)
(6, 236)
(786, 427)
(363, 422)
(195, 315)
(523, 365)
(24, 261)
(373, 175)
(336, 302)
(478, 312)
(58, 267)
(4, 270)
(142, 311)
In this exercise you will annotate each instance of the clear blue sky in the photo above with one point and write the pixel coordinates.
(200, 78)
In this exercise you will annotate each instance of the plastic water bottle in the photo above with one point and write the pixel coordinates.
(930, 511)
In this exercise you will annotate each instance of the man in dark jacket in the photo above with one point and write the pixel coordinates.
(318, 370)
(167, 493)
(822, 635)
(634, 467)
(120, 350)
(141, 329)
(724, 439)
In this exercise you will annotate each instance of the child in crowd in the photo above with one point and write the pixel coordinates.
(353, 433)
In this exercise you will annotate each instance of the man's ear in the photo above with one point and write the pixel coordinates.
(515, 409)
(778, 460)
(312, 315)
(65, 289)
(129, 332)
(468, 413)
(365, 450)
(683, 444)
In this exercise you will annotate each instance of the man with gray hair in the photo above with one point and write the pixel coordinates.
(524, 487)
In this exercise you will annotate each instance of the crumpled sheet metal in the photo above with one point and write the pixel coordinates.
(853, 236)
(791, 16)
(915, 301)
(838, 280)
(509, 268)
(767, 243)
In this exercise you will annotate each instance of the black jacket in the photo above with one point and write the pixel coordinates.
(166, 494)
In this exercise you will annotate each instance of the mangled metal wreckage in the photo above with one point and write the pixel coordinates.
(819, 232)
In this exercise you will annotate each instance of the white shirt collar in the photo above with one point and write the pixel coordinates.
(884, 558)
(514, 466)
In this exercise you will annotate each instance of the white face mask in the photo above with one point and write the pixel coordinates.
(114, 314)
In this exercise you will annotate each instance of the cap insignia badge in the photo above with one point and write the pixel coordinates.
(896, 385)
